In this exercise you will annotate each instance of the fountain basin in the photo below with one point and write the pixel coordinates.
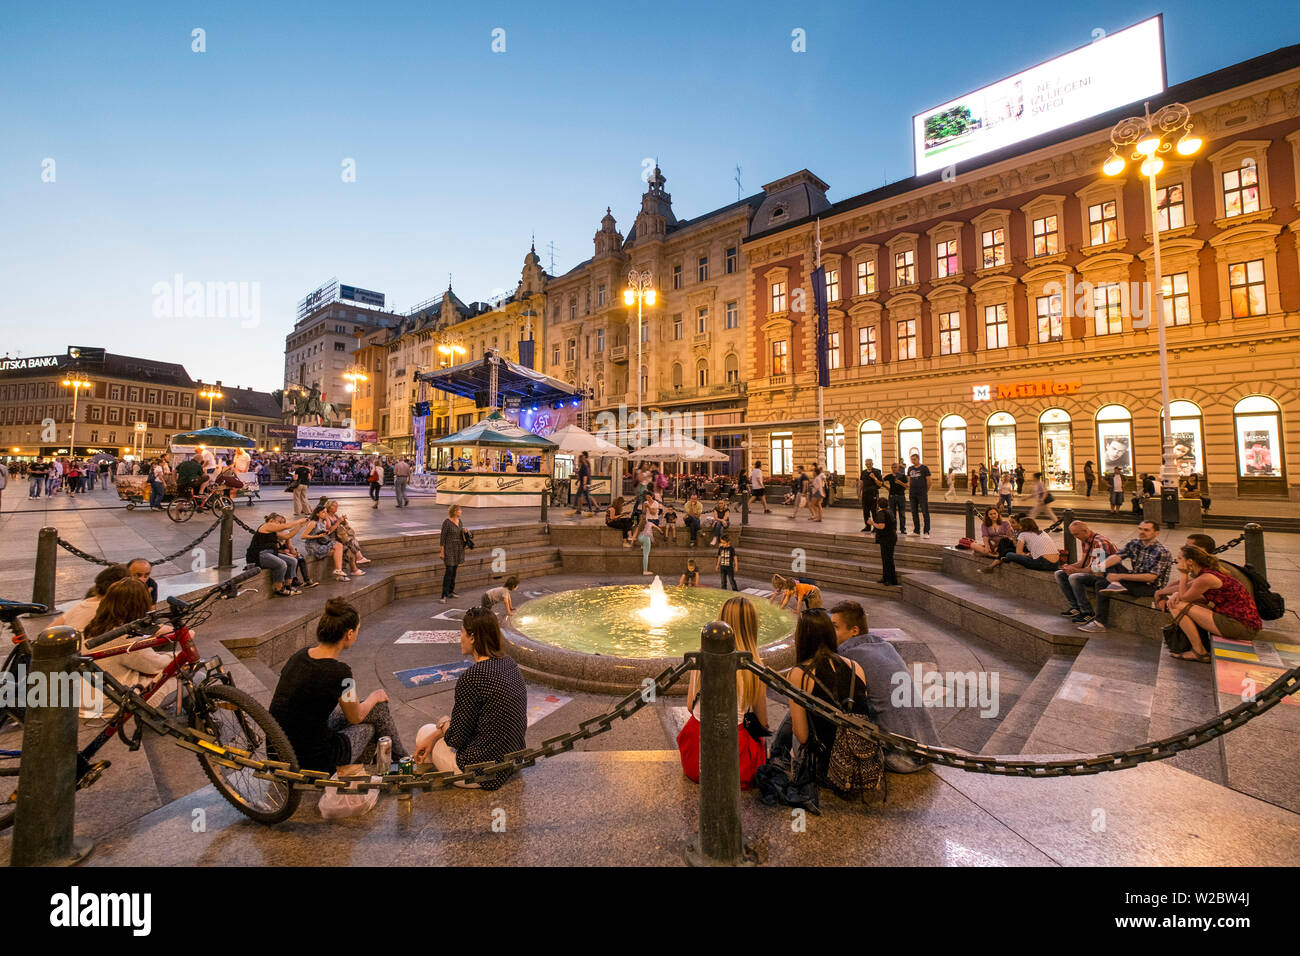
(609, 639)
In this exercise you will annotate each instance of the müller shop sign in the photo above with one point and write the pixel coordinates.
(988, 393)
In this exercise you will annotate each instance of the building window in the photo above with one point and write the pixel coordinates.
(996, 330)
(1241, 190)
(645, 333)
(677, 375)
(1170, 211)
(782, 453)
(832, 285)
(1046, 236)
(904, 268)
(906, 339)
(600, 294)
(702, 320)
(1103, 223)
(677, 277)
(114, 416)
(833, 350)
(733, 368)
(1107, 310)
(994, 244)
(702, 373)
(340, 347)
(1259, 438)
(949, 333)
(870, 445)
(1246, 284)
(778, 297)
(702, 269)
(945, 258)
(587, 310)
(555, 355)
(835, 449)
(867, 345)
(115, 392)
(733, 315)
(677, 326)
(571, 352)
(573, 306)
(1050, 323)
(866, 277)
(1178, 300)
(910, 440)
(1115, 439)
(779, 364)
(733, 259)
(600, 341)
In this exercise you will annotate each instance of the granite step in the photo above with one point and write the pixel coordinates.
(1018, 724)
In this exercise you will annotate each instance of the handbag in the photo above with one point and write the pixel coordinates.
(1175, 639)
(857, 762)
(1049, 499)
(466, 538)
(966, 543)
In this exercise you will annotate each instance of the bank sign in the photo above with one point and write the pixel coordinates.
(1003, 392)
(22, 364)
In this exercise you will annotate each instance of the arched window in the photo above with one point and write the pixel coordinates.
(677, 375)
(909, 440)
(733, 368)
(1001, 447)
(870, 444)
(702, 373)
(835, 449)
(1186, 428)
(1257, 421)
(1056, 449)
(1115, 439)
(952, 442)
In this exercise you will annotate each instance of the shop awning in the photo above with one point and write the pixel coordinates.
(516, 384)
(495, 431)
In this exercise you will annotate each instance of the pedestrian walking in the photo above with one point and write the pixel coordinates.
(1020, 479)
(950, 491)
(1089, 476)
(401, 475)
(984, 481)
(816, 493)
(1005, 489)
(1042, 499)
(756, 489)
(298, 486)
(376, 481)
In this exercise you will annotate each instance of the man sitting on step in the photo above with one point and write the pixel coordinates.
(1148, 572)
(1074, 579)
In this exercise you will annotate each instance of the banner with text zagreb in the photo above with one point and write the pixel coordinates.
(322, 438)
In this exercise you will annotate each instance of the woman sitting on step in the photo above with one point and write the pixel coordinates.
(614, 518)
(993, 532)
(1212, 598)
(1035, 550)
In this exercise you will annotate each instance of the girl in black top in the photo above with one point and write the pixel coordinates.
(316, 704)
(264, 551)
(824, 674)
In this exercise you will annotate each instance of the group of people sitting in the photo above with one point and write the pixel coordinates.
(326, 534)
(650, 516)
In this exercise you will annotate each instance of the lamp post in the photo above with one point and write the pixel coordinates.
(210, 394)
(638, 291)
(76, 383)
(1150, 135)
(449, 350)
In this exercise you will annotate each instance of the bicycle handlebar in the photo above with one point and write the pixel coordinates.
(175, 611)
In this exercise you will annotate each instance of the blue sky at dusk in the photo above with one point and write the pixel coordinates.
(225, 166)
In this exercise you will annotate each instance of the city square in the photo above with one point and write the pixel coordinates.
(936, 520)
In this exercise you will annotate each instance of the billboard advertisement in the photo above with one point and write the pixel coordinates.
(1114, 70)
(361, 296)
(322, 438)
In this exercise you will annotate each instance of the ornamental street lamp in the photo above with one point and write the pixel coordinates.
(354, 376)
(449, 350)
(210, 394)
(1149, 135)
(76, 383)
(638, 291)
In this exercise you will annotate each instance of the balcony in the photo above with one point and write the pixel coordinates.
(618, 354)
(694, 392)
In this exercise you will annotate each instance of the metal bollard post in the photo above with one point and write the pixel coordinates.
(744, 510)
(1071, 545)
(546, 501)
(225, 553)
(47, 559)
(1255, 548)
(720, 842)
(47, 777)
(970, 518)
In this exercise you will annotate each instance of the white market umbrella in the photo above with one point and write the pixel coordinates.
(574, 440)
(678, 448)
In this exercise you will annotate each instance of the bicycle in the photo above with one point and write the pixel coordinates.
(206, 695)
(184, 506)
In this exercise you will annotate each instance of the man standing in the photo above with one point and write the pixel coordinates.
(887, 538)
(36, 472)
(896, 483)
(401, 475)
(300, 475)
(1148, 572)
(869, 483)
(918, 489)
(756, 489)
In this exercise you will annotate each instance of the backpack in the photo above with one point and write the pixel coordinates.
(857, 762)
(1271, 605)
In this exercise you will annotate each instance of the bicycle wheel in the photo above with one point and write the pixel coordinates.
(218, 504)
(181, 509)
(234, 719)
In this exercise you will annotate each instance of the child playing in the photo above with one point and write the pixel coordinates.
(670, 524)
(691, 577)
(805, 595)
(501, 595)
(727, 563)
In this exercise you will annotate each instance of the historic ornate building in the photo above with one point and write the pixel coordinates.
(988, 315)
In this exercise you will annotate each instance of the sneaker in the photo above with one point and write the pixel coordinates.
(1081, 618)
(926, 535)
(1093, 625)
(358, 573)
(310, 584)
(1114, 588)
(1070, 612)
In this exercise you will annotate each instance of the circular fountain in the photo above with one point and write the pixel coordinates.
(608, 639)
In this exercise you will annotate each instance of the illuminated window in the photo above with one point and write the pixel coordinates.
(1107, 310)
(1046, 236)
(779, 356)
(904, 268)
(1170, 211)
(1050, 323)
(1246, 282)
(1178, 300)
(945, 258)
(867, 345)
(778, 297)
(906, 339)
(833, 350)
(832, 285)
(949, 333)
(994, 244)
(866, 277)
(733, 315)
(1103, 223)
(1241, 190)
(996, 330)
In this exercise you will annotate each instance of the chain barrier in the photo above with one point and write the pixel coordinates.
(1055, 526)
(1230, 545)
(235, 517)
(232, 757)
(73, 549)
(1285, 685)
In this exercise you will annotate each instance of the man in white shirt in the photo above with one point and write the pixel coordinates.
(756, 489)
(401, 475)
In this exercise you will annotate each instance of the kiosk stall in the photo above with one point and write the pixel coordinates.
(501, 465)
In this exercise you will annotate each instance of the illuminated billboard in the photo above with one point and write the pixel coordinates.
(1109, 72)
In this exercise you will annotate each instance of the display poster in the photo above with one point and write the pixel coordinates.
(871, 449)
(1002, 446)
(1258, 445)
(1115, 439)
(954, 450)
(1057, 447)
(909, 444)
(1187, 447)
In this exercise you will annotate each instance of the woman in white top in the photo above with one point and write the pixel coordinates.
(1035, 550)
(124, 602)
(817, 493)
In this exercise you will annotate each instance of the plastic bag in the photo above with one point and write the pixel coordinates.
(338, 804)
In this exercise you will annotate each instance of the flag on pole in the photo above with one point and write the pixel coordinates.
(823, 327)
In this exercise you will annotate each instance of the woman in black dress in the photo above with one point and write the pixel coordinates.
(1089, 476)
(451, 549)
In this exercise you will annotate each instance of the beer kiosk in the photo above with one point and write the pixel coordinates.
(501, 465)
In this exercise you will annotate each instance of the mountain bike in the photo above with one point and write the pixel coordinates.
(206, 700)
(184, 505)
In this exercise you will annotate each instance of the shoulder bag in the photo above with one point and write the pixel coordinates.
(857, 762)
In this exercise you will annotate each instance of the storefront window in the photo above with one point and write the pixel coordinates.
(1189, 438)
(1259, 437)
(952, 440)
(835, 449)
(1115, 439)
(1002, 441)
(1056, 449)
(909, 440)
(869, 441)
(782, 453)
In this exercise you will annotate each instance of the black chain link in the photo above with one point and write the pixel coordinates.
(241, 524)
(73, 549)
(1230, 545)
(203, 744)
(1286, 684)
